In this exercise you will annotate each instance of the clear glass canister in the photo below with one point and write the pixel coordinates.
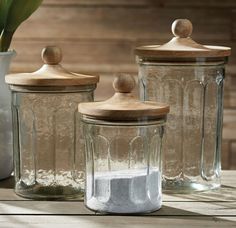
(48, 149)
(123, 152)
(190, 78)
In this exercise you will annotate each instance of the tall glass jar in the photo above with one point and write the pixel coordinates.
(189, 77)
(48, 148)
(123, 151)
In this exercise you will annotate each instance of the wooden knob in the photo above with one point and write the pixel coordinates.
(182, 28)
(124, 83)
(51, 55)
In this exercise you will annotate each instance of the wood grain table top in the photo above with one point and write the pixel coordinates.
(210, 209)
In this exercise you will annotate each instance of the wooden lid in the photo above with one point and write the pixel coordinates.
(123, 105)
(51, 73)
(182, 45)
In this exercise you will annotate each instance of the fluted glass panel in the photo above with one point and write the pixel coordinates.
(48, 144)
(191, 145)
(128, 153)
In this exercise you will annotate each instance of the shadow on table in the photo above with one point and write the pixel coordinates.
(165, 217)
(225, 193)
(7, 183)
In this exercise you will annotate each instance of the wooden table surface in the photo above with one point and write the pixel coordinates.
(210, 209)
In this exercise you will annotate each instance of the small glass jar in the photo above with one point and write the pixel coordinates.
(48, 150)
(189, 77)
(123, 151)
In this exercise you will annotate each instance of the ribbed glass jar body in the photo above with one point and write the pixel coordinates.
(192, 144)
(48, 148)
(123, 165)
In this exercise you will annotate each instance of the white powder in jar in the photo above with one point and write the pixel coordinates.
(127, 191)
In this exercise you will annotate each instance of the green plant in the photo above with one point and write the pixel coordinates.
(12, 14)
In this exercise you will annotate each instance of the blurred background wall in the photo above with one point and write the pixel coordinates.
(98, 37)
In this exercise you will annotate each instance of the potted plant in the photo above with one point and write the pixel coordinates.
(12, 14)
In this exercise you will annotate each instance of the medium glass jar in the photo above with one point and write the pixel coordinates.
(189, 77)
(48, 148)
(123, 152)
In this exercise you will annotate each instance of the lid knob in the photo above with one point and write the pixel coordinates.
(124, 83)
(51, 55)
(182, 28)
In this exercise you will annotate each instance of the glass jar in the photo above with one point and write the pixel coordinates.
(48, 148)
(123, 152)
(189, 77)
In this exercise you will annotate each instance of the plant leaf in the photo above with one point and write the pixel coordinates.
(5, 41)
(19, 11)
(4, 7)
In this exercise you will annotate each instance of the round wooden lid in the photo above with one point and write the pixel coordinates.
(123, 105)
(182, 45)
(51, 73)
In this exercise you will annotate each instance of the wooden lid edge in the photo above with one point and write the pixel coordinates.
(42, 78)
(96, 110)
(145, 51)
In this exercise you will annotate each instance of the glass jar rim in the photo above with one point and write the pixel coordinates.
(139, 122)
(53, 89)
(199, 61)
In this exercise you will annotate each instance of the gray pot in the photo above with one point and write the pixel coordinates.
(6, 148)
